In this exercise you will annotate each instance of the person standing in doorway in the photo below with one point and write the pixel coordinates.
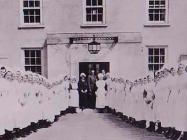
(83, 89)
(91, 89)
(104, 74)
(100, 94)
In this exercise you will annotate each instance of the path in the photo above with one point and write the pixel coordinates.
(89, 125)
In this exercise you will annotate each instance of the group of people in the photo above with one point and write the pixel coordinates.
(155, 103)
(29, 101)
(92, 90)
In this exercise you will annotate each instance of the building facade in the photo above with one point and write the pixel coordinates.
(51, 37)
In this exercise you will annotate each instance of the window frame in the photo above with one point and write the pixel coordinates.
(156, 47)
(92, 23)
(157, 23)
(34, 24)
(34, 65)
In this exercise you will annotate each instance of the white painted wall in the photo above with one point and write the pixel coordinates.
(65, 16)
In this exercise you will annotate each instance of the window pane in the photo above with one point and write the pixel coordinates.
(88, 2)
(162, 11)
(156, 51)
(151, 3)
(25, 12)
(38, 69)
(27, 53)
(33, 69)
(151, 11)
(27, 68)
(157, 3)
(151, 17)
(27, 61)
(100, 17)
(156, 59)
(38, 53)
(94, 11)
(156, 67)
(32, 53)
(150, 67)
(150, 51)
(37, 3)
(31, 3)
(31, 12)
(37, 12)
(100, 2)
(26, 19)
(37, 19)
(31, 19)
(33, 61)
(94, 18)
(38, 61)
(100, 10)
(151, 59)
(156, 17)
(163, 2)
(25, 3)
(162, 59)
(94, 2)
(88, 18)
(162, 17)
(162, 51)
(88, 10)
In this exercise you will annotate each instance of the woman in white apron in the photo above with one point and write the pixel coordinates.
(65, 91)
(74, 95)
(62, 99)
(121, 95)
(149, 97)
(9, 102)
(3, 89)
(140, 114)
(100, 93)
(134, 100)
(180, 111)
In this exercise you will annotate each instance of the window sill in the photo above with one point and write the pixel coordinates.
(156, 25)
(31, 26)
(93, 26)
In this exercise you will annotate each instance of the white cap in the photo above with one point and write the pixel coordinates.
(82, 74)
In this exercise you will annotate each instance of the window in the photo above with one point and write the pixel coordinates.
(157, 11)
(156, 58)
(94, 11)
(31, 11)
(33, 60)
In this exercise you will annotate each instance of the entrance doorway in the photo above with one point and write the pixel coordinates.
(86, 67)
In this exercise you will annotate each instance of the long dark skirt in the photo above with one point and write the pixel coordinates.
(91, 100)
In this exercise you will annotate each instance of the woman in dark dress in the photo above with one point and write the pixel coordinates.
(83, 89)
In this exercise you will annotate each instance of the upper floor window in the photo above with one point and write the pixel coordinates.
(156, 58)
(31, 11)
(157, 11)
(94, 11)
